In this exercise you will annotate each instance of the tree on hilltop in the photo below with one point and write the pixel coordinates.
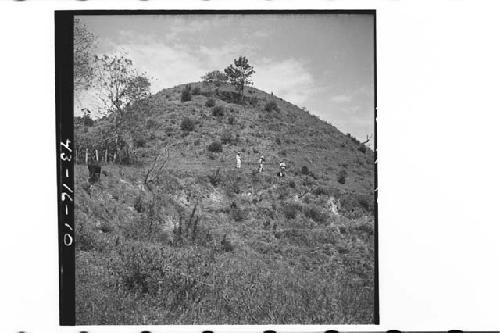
(239, 74)
(216, 78)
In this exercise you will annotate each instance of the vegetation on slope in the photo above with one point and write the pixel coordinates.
(174, 234)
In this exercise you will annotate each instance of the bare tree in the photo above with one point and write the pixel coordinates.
(154, 171)
(368, 138)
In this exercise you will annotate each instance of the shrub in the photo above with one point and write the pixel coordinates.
(139, 204)
(215, 147)
(291, 184)
(186, 94)
(316, 215)
(305, 170)
(196, 91)
(236, 213)
(187, 125)
(151, 123)
(229, 96)
(290, 210)
(367, 202)
(321, 191)
(226, 138)
(362, 149)
(271, 106)
(230, 120)
(147, 269)
(169, 130)
(353, 139)
(140, 141)
(278, 141)
(218, 111)
(253, 101)
(210, 102)
(106, 227)
(232, 185)
(87, 239)
(354, 205)
(365, 227)
(144, 227)
(215, 179)
(341, 176)
(226, 244)
(87, 121)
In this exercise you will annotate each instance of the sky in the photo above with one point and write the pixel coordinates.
(323, 62)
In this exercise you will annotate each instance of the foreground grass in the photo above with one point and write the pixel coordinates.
(259, 257)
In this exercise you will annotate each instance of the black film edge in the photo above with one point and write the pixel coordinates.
(65, 167)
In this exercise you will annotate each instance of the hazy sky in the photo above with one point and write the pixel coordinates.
(323, 62)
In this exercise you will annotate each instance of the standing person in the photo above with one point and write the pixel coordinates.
(238, 160)
(261, 163)
(94, 170)
(282, 169)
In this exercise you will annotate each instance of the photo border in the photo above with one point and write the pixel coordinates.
(65, 164)
(64, 97)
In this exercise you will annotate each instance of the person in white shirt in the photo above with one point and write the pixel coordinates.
(238, 160)
(282, 169)
(261, 163)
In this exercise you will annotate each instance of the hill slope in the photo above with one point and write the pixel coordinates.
(199, 241)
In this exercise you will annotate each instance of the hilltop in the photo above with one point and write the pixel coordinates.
(173, 233)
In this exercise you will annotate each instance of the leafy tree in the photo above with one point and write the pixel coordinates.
(84, 45)
(239, 74)
(118, 85)
(215, 77)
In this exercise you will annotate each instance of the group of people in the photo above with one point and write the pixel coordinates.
(281, 172)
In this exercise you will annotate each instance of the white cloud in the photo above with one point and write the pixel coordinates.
(169, 65)
(173, 63)
(341, 98)
(287, 79)
(221, 57)
(182, 26)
